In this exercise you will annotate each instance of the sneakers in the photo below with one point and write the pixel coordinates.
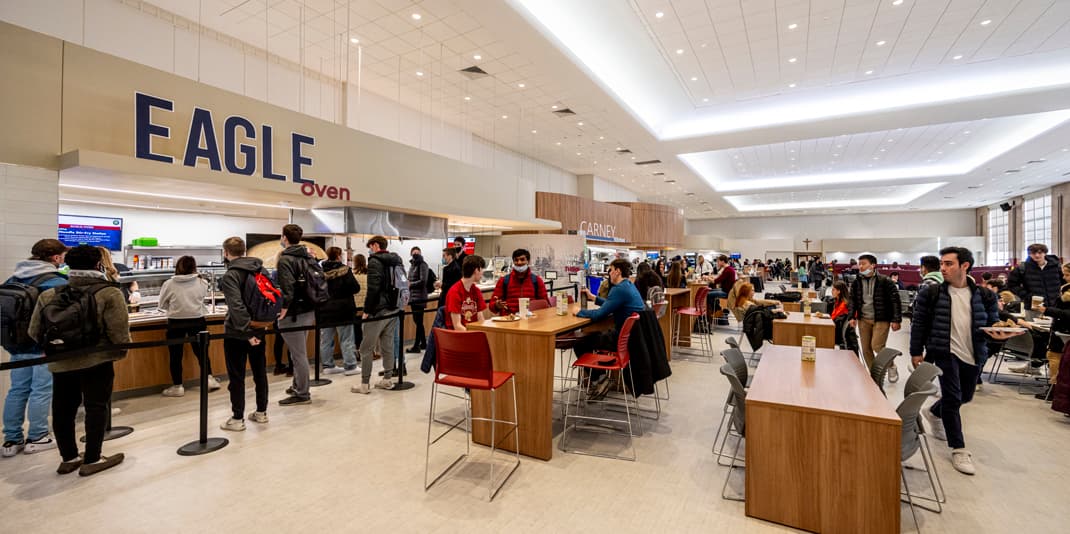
(174, 391)
(69, 466)
(351, 372)
(893, 373)
(290, 390)
(385, 383)
(294, 400)
(392, 372)
(233, 425)
(936, 425)
(962, 461)
(363, 389)
(213, 384)
(258, 417)
(38, 445)
(1026, 369)
(105, 462)
(333, 370)
(979, 387)
(11, 448)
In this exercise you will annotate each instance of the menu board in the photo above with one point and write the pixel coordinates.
(77, 230)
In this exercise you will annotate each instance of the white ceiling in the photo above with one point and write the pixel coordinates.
(740, 54)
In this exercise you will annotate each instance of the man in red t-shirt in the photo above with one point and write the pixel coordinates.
(464, 302)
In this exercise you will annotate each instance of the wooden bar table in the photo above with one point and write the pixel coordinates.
(525, 347)
(822, 445)
(791, 330)
(679, 297)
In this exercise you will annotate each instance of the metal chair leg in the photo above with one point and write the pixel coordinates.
(728, 475)
(910, 501)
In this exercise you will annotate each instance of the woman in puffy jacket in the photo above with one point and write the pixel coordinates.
(1060, 313)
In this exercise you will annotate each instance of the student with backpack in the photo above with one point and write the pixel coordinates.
(519, 283)
(252, 303)
(387, 292)
(337, 315)
(304, 288)
(89, 311)
(30, 396)
(420, 280)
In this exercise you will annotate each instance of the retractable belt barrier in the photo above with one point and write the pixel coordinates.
(204, 444)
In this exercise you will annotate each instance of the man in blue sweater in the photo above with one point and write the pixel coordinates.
(623, 300)
(946, 330)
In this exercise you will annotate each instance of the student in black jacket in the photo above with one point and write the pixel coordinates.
(875, 308)
(1038, 276)
(296, 310)
(244, 341)
(379, 302)
(337, 314)
(451, 273)
(418, 270)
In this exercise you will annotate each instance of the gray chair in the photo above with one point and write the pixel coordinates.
(737, 426)
(1020, 346)
(754, 357)
(921, 379)
(910, 443)
(881, 362)
(819, 306)
(734, 359)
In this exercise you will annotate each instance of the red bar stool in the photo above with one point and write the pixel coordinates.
(464, 361)
(608, 362)
(698, 313)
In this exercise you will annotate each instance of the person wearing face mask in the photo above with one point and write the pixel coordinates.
(451, 273)
(519, 283)
(418, 270)
(875, 308)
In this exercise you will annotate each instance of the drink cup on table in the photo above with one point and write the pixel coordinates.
(1038, 301)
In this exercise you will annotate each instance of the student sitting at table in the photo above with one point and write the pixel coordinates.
(623, 301)
(520, 283)
(742, 298)
(464, 303)
(845, 337)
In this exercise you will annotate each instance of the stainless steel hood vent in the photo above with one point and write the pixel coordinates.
(355, 220)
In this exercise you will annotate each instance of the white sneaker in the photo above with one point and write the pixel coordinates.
(39, 445)
(11, 448)
(363, 389)
(174, 391)
(385, 383)
(893, 373)
(258, 417)
(978, 388)
(936, 425)
(233, 425)
(962, 460)
(351, 372)
(213, 384)
(333, 370)
(1026, 369)
(115, 411)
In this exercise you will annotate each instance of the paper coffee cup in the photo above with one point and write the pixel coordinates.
(523, 305)
(1037, 301)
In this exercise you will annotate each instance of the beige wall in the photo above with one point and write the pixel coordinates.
(31, 71)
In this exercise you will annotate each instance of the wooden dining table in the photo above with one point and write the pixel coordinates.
(526, 348)
(790, 331)
(822, 444)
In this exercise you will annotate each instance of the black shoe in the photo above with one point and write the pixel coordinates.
(70, 466)
(414, 350)
(290, 391)
(279, 370)
(293, 400)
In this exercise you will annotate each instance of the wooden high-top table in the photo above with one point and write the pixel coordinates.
(822, 444)
(526, 348)
(791, 330)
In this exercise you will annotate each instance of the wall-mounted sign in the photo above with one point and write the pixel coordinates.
(593, 229)
(240, 144)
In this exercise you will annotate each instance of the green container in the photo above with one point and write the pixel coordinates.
(145, 242)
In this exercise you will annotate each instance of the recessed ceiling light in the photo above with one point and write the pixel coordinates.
(881, 43)
(553, 106)
(792, 26)
(601, 137)
(705, 100)
(520, 85)
(579, 153)
(793, 60)
(505, 116)
(967, 132)
(835, 155)
(477, 57)
(897, 2)
(354, 40)
(957, 57)
(559, 143)
(679, 51)
(791, 85)
(659, 14)
(579, 123)
(986, 22)
(868, 72)
(416, 16)
(467, 98)
(884, 150)
(618, 149)
(694, 78)
(633, 157)
(419, 73)
(703, 45)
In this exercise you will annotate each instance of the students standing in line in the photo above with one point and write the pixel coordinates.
(337, 314)
(245, 340)
(30, 396)
(297, 310)
(182, 297)
(360, 272)
(84, 380)
(379, 302)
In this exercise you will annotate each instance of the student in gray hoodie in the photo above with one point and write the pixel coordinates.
(182, 297)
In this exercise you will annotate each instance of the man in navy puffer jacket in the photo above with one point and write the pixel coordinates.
(946, 330)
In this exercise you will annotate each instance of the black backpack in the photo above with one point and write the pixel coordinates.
(17, 301)
(261, 298)
(431, 279)
(314, 281)
(69, 320)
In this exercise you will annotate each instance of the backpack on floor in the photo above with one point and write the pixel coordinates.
(262, 299)
(69, 321)
(17, 301)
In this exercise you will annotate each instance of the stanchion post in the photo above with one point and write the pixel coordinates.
(204, 444)
(316, 380)
(399, 369)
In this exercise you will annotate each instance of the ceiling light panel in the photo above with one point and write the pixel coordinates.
(852, 197)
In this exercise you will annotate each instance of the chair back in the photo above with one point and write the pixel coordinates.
(539, 304)
(921, 378)
(700, 299)
(819, 306)
(734, 359)
(660, 307)
(1020, 344)
(623, 356)
(909, 411)
(731, 342)
(881, 361)
(463, 354)
(740, 393)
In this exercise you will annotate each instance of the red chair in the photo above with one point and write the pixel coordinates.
(697, 313)
(538, 304)
(605, 361)
(464, 361)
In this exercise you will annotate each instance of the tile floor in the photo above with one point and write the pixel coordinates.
(354, 463)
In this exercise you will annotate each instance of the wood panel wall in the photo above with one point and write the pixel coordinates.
(571, 210)
(655, 225)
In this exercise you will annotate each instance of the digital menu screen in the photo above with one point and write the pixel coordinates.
(77, 230)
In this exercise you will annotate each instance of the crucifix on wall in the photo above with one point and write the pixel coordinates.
(807, 243)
